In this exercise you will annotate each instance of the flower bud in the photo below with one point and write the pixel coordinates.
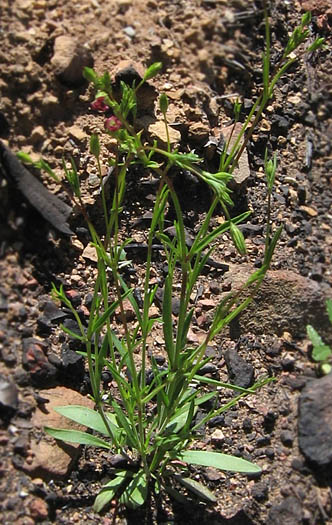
(163, 103)
(238, 239)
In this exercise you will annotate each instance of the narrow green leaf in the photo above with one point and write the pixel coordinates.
(203, 493)
(76, 436)
(134, 495)
(108, 491)
(167, 320)
(218, 460)
(186, 325)
(272, 245)
(124, 423)
(72, 334)
(210, 381)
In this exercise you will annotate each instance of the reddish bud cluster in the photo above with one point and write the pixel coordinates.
(99, 105)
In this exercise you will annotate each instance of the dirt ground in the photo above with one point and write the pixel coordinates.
(211, 53)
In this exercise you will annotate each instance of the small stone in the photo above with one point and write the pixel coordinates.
(217, 421)
(217, 437)
(53, 313)
(207, 304)
(72, 364)
(241, 373)
(247, 425)
(129, 31)
(198, 132)
(287, 438)
(76, 133)
(212, 474)
(69, 60)
(37, 135)
(93, 180)
(260, 491)
(90, 253)
(309, 211)
(128, 310)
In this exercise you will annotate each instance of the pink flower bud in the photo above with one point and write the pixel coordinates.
(113, 123)
(99, 105)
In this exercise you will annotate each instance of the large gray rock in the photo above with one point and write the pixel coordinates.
(315, 422)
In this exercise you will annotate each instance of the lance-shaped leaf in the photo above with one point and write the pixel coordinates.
(109, 491)
(218, 460)
(76, 436)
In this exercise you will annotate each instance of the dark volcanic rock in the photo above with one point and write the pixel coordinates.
(35, 361)
(72, 364)
(240, 372)
(315, 422)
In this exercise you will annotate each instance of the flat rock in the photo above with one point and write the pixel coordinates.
(315, 422)
(286, 301)
(158, 131)
(49, 458)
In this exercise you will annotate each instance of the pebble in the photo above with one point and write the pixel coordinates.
(309, 211)
(37, 135)
(287, 438)
(75, 132)
(217, 437)
(38, 509)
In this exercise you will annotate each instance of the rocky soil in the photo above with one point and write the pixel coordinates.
(211, 54)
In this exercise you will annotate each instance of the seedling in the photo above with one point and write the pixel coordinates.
(151, 424)
(321, 352)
